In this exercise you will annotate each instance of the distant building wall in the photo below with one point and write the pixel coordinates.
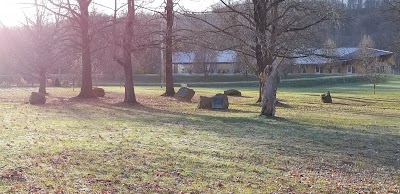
(351, 67)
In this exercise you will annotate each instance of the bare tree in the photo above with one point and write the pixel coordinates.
(269, 30)
(46, 36)
(36, 47)
(331, 54)
(391, 11)
(279, 28)
(204, 60)
(169, 82)
(78, 14)
(372, 71)
(126, 60)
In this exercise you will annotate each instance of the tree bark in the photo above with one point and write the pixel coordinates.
(126, 61)
(87, 85)
(269, 94)
(42, 82)
(260, 87)
(374, 88)
(169, 89)
(260, 18)
(130, 96)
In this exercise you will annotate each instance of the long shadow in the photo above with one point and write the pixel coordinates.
(354, 99)
(293, 136)
(366, 100)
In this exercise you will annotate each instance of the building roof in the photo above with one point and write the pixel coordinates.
(322, 56)
(227, 56)
(183, 57)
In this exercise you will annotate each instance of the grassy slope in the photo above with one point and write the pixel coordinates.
(165, 146)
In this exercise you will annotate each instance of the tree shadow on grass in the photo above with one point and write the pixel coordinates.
(291, 138)
(361, 100)
(365, 100)
(240, 96)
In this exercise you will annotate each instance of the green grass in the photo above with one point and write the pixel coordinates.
(292, 80)
(164, 146)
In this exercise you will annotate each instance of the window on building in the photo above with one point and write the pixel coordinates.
(317, 70)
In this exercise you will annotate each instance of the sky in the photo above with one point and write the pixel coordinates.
(12, 11)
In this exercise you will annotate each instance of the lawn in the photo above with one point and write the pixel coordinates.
(164, 146)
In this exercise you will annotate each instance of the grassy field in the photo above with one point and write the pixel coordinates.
(164, 146)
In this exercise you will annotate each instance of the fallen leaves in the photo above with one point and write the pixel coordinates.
(14, 174)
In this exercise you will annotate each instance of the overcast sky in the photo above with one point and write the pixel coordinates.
(12, 11)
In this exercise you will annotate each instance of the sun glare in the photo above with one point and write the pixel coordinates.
(11, 12)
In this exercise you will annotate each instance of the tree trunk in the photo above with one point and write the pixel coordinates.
(260, 86)
(269, 94)
(87, 85)
(42, 82)
(73, 83)
(130, 96)
(374, 88)
(126, 61)
(169, 89)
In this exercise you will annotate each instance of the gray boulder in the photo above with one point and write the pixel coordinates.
(326, 98)
(99, 92)
(37, 98)
(220, 101)
(185, 94)
(232, 92)
(205, 102)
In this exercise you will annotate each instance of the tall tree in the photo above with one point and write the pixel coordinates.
(79, 16)
(268, 30)
(169, 87)
(36, 47)
(331, 54)
(279, 28)
(45, 36)
(276, 22)
(126, 60)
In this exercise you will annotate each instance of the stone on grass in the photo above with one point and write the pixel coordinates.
(205, 102)
(185, 94)
(326, 98)
(99, 92)
(220, 101)
(37, 98)
(232, 92)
